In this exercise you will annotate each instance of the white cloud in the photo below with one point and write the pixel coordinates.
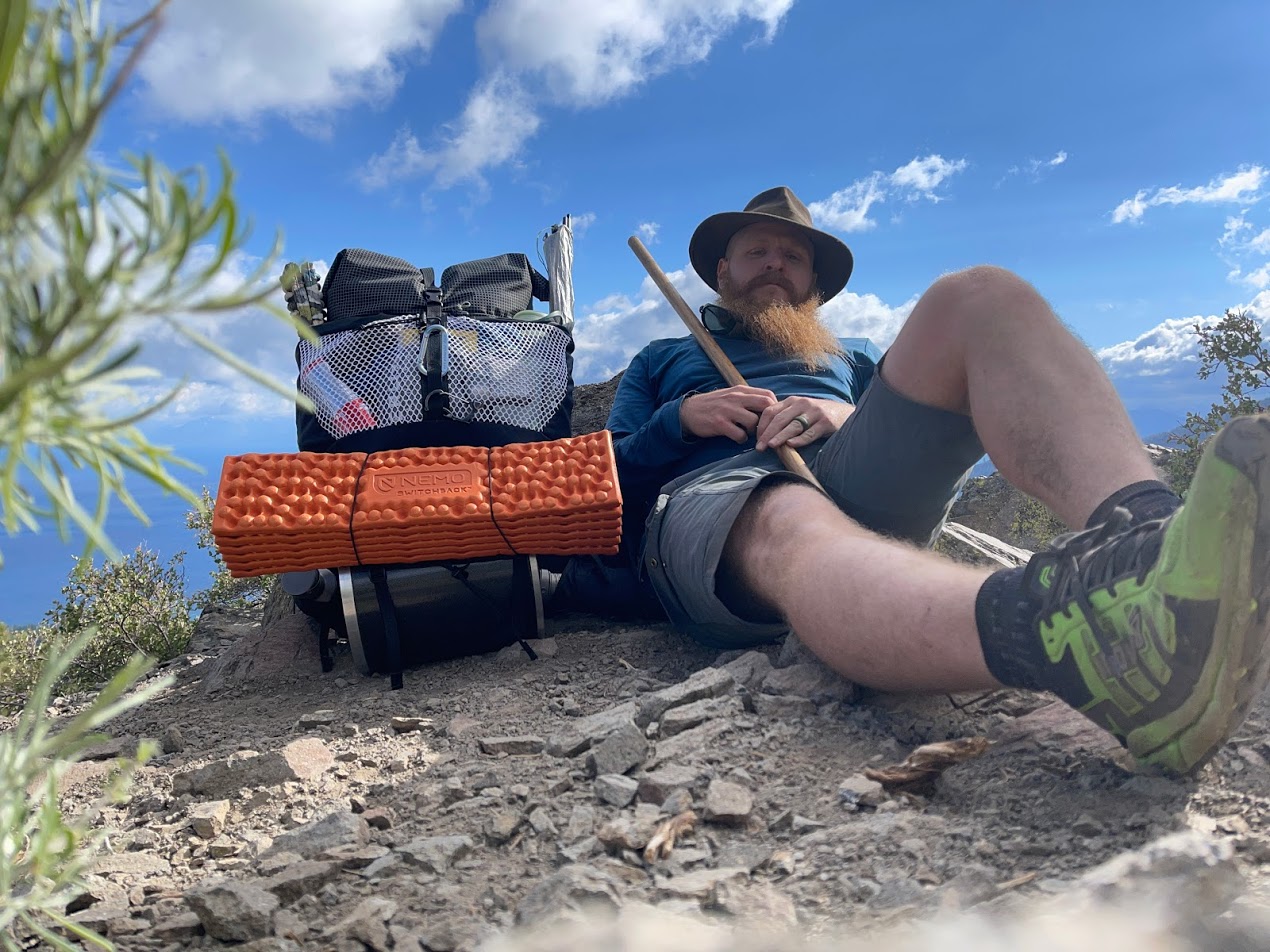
(495, 123)
(1242, 187)
(1168, 344)
(209, 389)
(571, 53)
(584, 53)
(241, 59)
(1257, 279)
(648, 231)
(847, 209)
(1156, 373)
(866, 315)
(581, 223)
(1236, 225)
(922, 176)
(1160, 347)
(612, 330)
(1239, 249)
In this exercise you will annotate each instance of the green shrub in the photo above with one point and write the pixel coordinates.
(135, 605)
(1235, 346)
(86, 250)
(44, 855)
(1034, 523)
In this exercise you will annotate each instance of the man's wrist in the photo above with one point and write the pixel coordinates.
(685, 434)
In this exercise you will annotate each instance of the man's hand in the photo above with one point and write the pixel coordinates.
(782, 422)
(733, 412)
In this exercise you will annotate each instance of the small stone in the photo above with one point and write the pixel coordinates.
(616, 790)
(317, 719)
(859, 791)
(728, 803)
(502, 826)
(337, 829)
(436, 854)
(701, 884)
(207, 820)
(802, 824)
(520, 791)
(407, 725)
(623, 750)
(173, 741)
(517, 745)
(678, 802)
(540, 820)
(581, 823)
(223, 847)
(380, 818)
(233, 911)
(1086, 826)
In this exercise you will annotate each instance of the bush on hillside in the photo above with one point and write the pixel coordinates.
(89, 253)
(1235, 346)
(136, 605)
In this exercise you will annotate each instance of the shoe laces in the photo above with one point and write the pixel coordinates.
(1098, 558)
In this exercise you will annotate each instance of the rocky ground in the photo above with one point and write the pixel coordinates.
(628, 769)
(636, 776)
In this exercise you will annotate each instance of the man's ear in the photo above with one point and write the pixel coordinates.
(720, 270)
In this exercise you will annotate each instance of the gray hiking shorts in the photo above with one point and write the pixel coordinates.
(895, 467)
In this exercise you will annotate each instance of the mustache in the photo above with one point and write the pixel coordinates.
(769, 277)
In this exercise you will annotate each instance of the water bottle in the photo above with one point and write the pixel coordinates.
(334, 398)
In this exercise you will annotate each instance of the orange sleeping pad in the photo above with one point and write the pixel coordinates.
(288, 512)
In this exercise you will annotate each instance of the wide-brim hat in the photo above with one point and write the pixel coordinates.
(833, 260)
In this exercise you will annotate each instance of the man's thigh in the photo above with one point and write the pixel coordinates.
(687, 532)
(896, 465)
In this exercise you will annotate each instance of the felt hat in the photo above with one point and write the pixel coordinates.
(833, 261)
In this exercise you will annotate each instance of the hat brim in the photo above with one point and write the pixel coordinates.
(833, 259)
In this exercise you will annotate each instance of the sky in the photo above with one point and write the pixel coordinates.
(1116, 155)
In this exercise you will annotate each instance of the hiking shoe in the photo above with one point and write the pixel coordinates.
(1158, 631)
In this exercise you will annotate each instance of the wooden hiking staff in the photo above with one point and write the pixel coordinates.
(787, 454)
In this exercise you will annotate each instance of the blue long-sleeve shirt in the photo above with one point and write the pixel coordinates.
(648, 440)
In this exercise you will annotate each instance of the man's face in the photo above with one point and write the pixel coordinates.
(769, 263)
(766, 281)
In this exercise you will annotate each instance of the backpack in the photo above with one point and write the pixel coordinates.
(400, 361)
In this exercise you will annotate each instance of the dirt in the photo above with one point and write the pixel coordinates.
(294, 809)
(458, 807)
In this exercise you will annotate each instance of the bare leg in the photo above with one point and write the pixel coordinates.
(984, 342)
(879, 612)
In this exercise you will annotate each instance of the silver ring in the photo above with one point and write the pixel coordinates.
(803, 422)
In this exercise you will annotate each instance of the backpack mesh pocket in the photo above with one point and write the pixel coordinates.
(505, 373)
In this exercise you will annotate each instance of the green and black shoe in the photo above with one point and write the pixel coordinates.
(1158, 632)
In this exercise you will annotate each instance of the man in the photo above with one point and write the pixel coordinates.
(1152, 621)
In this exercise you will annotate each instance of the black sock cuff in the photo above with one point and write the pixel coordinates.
(1003, 615)
(1146, 500)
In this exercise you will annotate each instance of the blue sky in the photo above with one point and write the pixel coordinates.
(1117, 155)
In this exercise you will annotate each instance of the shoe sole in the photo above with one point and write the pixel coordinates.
(1240, 642)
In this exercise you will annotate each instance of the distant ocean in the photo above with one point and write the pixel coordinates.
(36, 565)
